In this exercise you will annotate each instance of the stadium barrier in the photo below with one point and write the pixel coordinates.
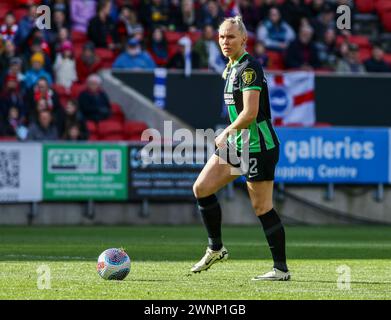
(340, 99)
(33, 172)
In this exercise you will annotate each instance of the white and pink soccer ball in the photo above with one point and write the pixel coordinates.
(113, 264)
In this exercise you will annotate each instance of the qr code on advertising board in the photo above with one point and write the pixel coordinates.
(111, 161)
(9, 169)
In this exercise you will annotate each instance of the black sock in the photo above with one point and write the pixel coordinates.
(211, 216)
(275, 235)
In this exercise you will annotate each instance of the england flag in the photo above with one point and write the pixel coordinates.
(292, 98)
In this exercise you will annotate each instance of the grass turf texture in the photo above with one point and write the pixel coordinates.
(162, 256)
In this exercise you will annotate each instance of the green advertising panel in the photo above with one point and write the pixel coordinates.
(85, 171)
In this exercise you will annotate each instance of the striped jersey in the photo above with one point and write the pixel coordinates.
(244, 74)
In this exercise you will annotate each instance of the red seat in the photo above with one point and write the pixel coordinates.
(113, 137)
(359, 40)
(364, 54)
(105, 54)
(134, 130)
(76, 89)
(173, 37)
(276, 60)
(386, 20)
(387, 58)
(19, 13)
(93, 137)
(117, 113)
(365, 6)
(92, 127)
(60, 90)
(8, 138)
(78, 37)
(110, 127)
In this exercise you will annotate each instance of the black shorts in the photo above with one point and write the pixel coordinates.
(259, 166)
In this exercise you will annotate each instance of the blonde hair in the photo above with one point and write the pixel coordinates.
(237, 20)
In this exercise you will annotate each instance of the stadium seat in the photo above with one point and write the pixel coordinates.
(172, 37)
(364, 54)
(134, 130)
(359, 40)
(117, 113)
(110, 127)
(92, 127)
(365, 6)
(113, 137)
(276, 60)
(76, 89)
(386, 21)
(7, 138)
(19, 13)
(78, 37)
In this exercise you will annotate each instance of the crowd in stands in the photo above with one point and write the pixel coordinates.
(49, 78)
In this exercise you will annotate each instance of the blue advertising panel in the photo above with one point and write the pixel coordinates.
(333, 155)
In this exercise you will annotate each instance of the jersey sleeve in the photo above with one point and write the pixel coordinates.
(251, 77)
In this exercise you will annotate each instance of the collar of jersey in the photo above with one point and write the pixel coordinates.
(240, 58)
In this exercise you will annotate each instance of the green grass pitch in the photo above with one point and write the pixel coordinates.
(162, 256)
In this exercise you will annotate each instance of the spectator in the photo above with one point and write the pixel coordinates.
(178, 60)
(37, 46)
(61, 37)
(12, 97)
(73, 133)
(15, 69)
(292, 11)
(158, 48)
(82, 11)
(101, 29)
(134, 57)
(327, 50)
(324, 21)
(210, 14)
(208, 51)
(5, 58)
(154, 13)
(72, 115)
(376, 63)
(37, 71)
(260, 53)
(13, 125)
(93, 102)
(61, 6)
(350, 63)
(184, 18)
(65, 66)
(9, 28)
(88, 63)
(274, 32)
(302, 52)
(128, 26)
(42, 91)
(59, 22)
(43, 129)
(250, 14)
(26, 25)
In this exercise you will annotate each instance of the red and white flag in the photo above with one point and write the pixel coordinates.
(292, 98)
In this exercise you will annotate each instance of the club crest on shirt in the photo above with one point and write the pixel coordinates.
(249, 76)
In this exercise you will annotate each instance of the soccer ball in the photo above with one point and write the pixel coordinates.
(113, 264)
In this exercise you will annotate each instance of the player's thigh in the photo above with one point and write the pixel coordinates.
(215, 175)
(261, 196)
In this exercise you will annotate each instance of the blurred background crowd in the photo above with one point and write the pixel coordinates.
(50, 89)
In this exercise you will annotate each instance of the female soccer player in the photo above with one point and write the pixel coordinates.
(247, 99)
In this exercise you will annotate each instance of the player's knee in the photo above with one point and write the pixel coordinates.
(199, 190)
(262, 208)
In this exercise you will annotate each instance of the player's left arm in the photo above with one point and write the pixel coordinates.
(251, 86)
